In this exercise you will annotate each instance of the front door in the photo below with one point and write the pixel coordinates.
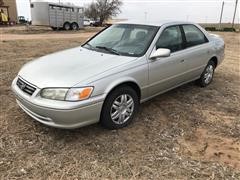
(167, 72)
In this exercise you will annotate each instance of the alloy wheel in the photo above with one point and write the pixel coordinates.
(208, 74)
(122, 109)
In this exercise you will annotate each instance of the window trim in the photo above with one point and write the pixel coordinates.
(185, 47)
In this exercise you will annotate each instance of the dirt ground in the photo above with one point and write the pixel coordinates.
(33, 32)
(187, 133)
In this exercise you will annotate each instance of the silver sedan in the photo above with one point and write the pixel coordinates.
(106, 78)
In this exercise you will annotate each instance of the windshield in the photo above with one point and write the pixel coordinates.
(123, 39)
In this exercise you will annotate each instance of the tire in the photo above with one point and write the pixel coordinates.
(207, 75)
(74, 26)
(119, 108)
(67, 26)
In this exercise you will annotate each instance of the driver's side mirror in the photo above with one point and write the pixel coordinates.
(161, 52)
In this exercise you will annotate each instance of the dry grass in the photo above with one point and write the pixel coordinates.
(187, 133)
(223, 25)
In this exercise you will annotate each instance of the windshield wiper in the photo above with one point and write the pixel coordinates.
(113, 51)
(89, 45)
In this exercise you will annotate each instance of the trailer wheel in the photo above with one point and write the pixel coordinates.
(67, 26)
(74, 26)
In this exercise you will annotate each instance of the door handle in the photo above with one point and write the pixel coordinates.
(182, 61)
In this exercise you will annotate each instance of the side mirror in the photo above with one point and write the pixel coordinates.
(161, 52)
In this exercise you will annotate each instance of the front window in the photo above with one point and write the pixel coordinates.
(124, 39)
(171, 38)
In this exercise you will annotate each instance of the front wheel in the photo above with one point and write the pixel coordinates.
(207, 75)
(119, 108)
(67, 26)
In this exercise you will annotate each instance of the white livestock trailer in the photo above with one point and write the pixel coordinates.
(68, 17)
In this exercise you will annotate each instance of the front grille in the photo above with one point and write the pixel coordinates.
(25, 87)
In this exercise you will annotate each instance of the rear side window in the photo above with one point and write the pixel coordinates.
(194, 36)
(171, 38)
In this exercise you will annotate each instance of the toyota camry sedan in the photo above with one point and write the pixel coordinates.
(107, 78)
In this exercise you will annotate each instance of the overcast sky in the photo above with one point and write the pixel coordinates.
(191, 10)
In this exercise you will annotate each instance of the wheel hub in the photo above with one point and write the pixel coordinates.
(122, 109)
(208, 74)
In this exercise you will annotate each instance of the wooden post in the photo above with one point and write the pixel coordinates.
(234, 13)
(220, 22)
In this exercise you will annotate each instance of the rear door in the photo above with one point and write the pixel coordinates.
(197, 51)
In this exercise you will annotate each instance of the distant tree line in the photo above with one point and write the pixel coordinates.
(102, 10)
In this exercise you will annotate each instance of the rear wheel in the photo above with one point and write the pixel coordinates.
(119, 108)
(67, 26)
(207, 75)
(74, 26)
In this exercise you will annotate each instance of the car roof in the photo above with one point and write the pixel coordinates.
(155, 23)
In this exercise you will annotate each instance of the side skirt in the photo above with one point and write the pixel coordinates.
(148, 98)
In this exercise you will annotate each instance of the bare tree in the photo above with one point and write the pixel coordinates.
(103, 9)
(1, 3)
(91, 11)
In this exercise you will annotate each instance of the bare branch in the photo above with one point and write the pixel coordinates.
(103, 9)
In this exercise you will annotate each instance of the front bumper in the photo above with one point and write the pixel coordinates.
(67, 118)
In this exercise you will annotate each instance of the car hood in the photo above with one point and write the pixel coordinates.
(70, 67)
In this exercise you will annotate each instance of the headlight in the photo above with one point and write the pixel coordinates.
(56, 94)
(72, 94)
